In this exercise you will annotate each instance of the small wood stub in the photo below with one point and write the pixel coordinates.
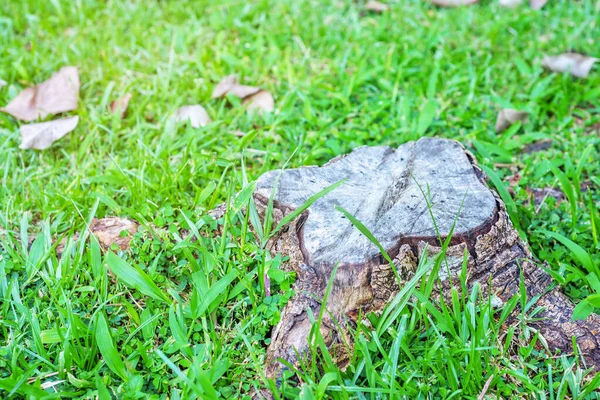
(408, 198)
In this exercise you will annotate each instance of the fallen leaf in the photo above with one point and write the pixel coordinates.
(256, 99)
(587, 122)
(261, 102)
(239, 133)
(509, 116)
(230, 85)
(108, 231)
(537, 4)
(514, 179)
(587, 185)
(534, 147)
(60, 248)
(195, 114)
(540, 195)
(376, 6)
(58, 94)
(3, 83)
(579, 65)
(119, 106)
(453, 3)
(595, 128)
(41, 136)
(509, 3)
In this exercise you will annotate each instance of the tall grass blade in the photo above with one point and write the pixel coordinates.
(107, 347)
(578, 252)
(511, 207)
(134, 277)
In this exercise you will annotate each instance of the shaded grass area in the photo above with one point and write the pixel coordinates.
(341, 78)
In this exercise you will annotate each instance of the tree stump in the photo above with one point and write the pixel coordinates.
(388, 190)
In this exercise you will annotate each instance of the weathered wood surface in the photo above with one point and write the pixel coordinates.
(386, 190)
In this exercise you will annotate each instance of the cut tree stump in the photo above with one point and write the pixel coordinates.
(385, 190)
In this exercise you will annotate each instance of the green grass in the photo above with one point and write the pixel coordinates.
(198, 321)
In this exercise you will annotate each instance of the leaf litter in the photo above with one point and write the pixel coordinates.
(120, 105)
(40, 136)
(254, 98)
(453, 3)
(578, 65)
(195, 114)
(509, 116)
(376, 6)
(58, 94)
(537, 4)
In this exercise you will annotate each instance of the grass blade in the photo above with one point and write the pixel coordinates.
(578, 252)
(365, 231)
(426, 117)
(134, 277)
(22, 388)
(107, 347)
(567, 188)
(213, 293)
(511, 207)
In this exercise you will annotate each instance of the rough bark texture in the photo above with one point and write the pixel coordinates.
(386, 190)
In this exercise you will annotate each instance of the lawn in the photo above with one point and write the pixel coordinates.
(341, 78)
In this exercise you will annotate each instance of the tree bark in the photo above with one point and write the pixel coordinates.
(395, 193)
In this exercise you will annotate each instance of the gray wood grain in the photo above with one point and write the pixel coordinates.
(388, 191)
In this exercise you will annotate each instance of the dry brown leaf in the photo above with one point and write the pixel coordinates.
(514, 179)
(108, 231)
(539, 145)
(537, 4)
(587, 185)
(58, 94)
(60, 247)
(509, 116)
(195, 114)
(589, 126)
(540, 195)
(453, 3)
(230, 85)
(376, 6)
(579, 65)
(261, 102)
(119, 106)
(256, 99)
(509, 3)
(41, 136)
(595, 128)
